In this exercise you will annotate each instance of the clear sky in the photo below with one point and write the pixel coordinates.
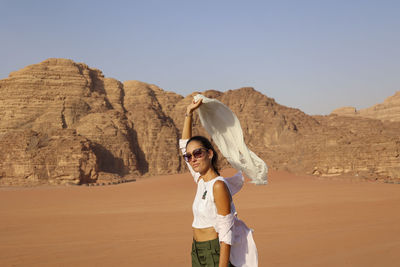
(313, 55)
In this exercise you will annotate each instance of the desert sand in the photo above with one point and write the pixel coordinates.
(298, 221)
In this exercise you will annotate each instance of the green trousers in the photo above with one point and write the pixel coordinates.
(206, 254)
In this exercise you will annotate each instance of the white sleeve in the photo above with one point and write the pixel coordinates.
(182, 146)
(224, 227)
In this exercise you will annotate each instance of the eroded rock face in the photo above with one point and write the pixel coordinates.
(64, 123)
(32, 158)
(59, 95)
(357, 147)
(113, 141)
(156, 134)
(389, 110)
(345, 111)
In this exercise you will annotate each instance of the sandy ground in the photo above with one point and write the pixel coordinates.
(298, 221)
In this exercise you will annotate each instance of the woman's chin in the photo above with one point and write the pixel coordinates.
(196, 168)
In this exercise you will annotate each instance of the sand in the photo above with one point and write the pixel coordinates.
(298, 221)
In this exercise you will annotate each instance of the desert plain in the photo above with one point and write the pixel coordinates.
(298, 221)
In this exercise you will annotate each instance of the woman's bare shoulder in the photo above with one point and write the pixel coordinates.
(220, 187)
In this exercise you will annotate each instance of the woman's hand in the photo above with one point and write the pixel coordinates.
(193, 106)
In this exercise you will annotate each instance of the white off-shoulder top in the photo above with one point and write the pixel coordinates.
(204, 209)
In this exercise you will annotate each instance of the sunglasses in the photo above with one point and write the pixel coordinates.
(197, 153)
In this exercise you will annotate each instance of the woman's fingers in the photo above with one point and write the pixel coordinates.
(198, 103)
(194, 105)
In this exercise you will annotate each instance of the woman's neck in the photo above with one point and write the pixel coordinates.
(209, 175)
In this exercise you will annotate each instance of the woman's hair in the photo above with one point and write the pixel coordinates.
(207, 144)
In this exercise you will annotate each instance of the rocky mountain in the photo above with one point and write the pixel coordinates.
(389, 110)
(63, 122)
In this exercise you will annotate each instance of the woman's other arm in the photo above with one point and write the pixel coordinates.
(222, 200)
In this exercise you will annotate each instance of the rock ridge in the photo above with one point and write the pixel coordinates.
(389, 110)
(63, 122)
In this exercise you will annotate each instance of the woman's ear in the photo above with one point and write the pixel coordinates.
(210, 153)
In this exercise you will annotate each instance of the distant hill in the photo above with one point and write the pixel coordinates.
(389, 110)
(62, 122)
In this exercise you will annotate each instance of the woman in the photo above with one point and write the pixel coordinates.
(213, 209)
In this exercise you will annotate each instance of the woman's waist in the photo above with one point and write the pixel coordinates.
(204, 234)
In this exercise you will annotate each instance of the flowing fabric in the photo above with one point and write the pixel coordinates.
(235, 232)
(224, 128)
(243, 249)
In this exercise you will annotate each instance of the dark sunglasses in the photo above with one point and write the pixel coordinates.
(197, 153)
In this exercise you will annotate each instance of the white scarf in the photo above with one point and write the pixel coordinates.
(224, 128)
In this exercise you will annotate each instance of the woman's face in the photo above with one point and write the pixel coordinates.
(202, 162)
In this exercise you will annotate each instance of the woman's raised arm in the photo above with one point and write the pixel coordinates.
(187, 125)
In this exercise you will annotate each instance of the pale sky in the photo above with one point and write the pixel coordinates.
(313, 55)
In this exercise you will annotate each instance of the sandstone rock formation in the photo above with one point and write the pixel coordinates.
(59, 95)
(389, 110)
(30, 158)
(356, 147)
(157, 135)
(327, 146)
(62, 122)
(345, 111)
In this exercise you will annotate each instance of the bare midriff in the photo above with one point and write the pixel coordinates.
(204, 234)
